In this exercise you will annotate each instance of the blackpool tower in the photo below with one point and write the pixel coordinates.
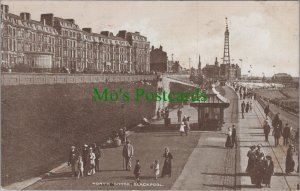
(226, 56)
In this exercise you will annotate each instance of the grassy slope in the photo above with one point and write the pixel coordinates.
(40, 122)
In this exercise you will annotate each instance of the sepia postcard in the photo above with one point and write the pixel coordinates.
(149, 95)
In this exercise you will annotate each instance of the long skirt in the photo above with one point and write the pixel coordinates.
(166, 169)
(267, 178)
(228, 141)
(289, 165)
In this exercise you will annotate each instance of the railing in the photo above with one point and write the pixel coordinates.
(11, 79)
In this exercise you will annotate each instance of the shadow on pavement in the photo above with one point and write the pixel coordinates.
(212, 146)
(223, 174)
(57, 176)
(217, 185)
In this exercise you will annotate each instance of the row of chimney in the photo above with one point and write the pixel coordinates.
(48, 19)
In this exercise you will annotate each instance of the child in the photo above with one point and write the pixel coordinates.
(137, 171)
(182, 129)
(80, 167)
(155, 167)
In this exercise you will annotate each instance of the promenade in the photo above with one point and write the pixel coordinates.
(250, 132)
(201, 161)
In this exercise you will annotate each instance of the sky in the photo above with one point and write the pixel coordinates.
(263, 34)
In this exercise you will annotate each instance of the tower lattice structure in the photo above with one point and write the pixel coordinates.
(226, 56)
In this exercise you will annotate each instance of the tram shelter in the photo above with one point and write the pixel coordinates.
(211, 112)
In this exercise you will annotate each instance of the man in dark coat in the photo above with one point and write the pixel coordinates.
(275, 120)
(277, 135)
(266, 130)
(85, 158)
(233, 136)
(247, 107)
(259, 170)
(243, 109)
(179, 112)
(98, 154)
(286, 133)
(269, 171)
(266, 110)
(289, 161)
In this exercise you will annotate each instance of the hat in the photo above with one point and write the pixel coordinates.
(73, 147)
(259, 145)
(268, 157)
(252, 147)
(85, 145)
(91, 148)
(137, 160)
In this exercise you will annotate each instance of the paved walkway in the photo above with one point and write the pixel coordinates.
(251, 133)
(211, 166)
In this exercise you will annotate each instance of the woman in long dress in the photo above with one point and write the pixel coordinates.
(289, 162)
(229, 138)
(167, 168)
(269, 171)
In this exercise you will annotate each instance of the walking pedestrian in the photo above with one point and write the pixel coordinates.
(85, 159)
(79, 167)
(179, 112)
(137, 171)
(98, 154)
(228, 143)
(128, 154)
(155, 168)
(286, 133)
(250, 106)
(275, 120)
(167, 168)
(182, 129)
(266, 110)
(259, 170)
(251, 159)
(289, 161)
(158, 114)
(277, 134)
(233, 137)
(72, 160)
(266, 130)
(247, 107)
(243, 109)
(269, 171)
(92, 158)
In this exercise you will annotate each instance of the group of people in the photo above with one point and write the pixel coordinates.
(85, 163)
(128, 154)
(162, 113)
(260, 167)
(246, 107)
(244, 92)
(117, 138)
(278, 130)
(231, 137)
